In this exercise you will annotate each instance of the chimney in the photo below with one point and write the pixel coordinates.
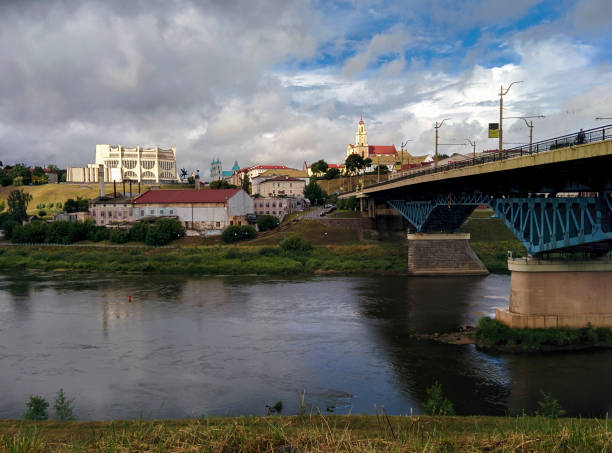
(101, 179)
(196, 180)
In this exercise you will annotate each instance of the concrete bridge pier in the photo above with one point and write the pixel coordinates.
(545, 294)
(438, 254)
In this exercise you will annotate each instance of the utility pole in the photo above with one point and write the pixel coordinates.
(473, 144)
(502, 93)
(437, 126)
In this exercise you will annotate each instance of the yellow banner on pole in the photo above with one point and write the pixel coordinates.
(493, 130)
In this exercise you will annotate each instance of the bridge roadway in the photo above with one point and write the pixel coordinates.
(525, 190)
(555, 197)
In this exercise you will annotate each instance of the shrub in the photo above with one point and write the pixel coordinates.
(164, 231)
(63, 407)
(437, 403)
(549, 407)
(36, 409)
(138, 232)
(267, 222)
(49, 205)
(42, 213)
(31, 232)
(295, 243)
(8, 225)
(99, 233)
(60, 232)
(119, 236)
(235, 233)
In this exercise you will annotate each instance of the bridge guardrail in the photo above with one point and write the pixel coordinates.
(597, 134)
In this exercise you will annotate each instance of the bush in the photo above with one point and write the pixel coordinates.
(235, 233)
(8, 225)
(164, 231)
(99, 233)
(267, 222)
(269, 251)
(49, 205)
(295, 243)
(36, 409)
(437, 403)
(63, 407)
(549, 407)
(42, 213)
(60, 232)
(33, 232)
(119, 236)
(138, 232)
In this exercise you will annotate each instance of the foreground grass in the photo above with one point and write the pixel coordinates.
(312, 433)
(208, 260)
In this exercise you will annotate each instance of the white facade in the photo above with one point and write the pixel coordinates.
(152, 165)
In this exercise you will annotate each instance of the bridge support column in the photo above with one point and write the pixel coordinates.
(545, 294)
(442, 254)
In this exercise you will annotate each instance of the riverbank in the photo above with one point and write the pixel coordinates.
(208, 260)
(355, 433)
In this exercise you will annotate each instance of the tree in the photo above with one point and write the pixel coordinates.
(36, 408)
(164, 231)
(267, 222)
(235, 233)
(63, 407)
(381, 169)
(314, 193)
(221, 184)
(319, 167)
(246, 184)
(18, 201)
(78, 205)
(332, 173)
(23, 171)
(438, 404)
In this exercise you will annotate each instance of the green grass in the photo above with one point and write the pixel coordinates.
(491, 332)
(207, 260)
(491, 240)
(357, 433)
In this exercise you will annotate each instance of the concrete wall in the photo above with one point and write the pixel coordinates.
(442, 254)
(241, 204)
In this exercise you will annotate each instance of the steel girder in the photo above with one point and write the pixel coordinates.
(549, 224)
(418, 212)
(541, 224)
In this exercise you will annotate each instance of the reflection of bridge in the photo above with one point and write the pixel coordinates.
(555, 197)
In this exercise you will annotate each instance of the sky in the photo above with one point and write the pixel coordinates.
(285, 82)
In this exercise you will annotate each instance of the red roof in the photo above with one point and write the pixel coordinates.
(382, 149)
(265, 167)
(186, 196)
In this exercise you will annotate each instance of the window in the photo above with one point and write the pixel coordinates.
(142, 213)
(119, 214)
(267, 212)
(171, 211)
(218, 224)
(102, 213)
(161, 212)
(152, 212)
(110, 213)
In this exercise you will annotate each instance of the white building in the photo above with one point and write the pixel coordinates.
(149, 165)
(197, 209)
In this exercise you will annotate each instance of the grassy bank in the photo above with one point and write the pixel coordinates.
(211, 260)
(491, 240)
(312, 433)
(492, 333)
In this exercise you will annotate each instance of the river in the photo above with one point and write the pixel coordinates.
(187, 347)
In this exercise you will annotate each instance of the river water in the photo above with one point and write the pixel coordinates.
(188, 347)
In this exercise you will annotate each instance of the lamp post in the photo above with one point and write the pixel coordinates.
(437, 126)
(502, 93)
(529, 125)
(473, 145)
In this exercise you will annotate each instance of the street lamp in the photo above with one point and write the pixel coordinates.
(529, 125)
(502, 93)
(473, 145)
(437, 126)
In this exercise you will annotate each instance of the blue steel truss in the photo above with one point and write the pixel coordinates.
(418, 212)
(548, 224)
(541, 224)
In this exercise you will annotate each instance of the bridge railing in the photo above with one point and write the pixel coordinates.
(597, 134)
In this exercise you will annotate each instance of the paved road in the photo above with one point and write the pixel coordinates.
(313, 213)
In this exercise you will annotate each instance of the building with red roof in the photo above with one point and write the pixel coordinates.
(362, 147)
(200, 210)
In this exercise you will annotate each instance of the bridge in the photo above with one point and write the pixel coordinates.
(554, 195)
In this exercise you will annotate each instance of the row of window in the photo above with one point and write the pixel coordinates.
(261, 204)
(160, 211)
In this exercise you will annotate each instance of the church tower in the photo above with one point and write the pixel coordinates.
(361, 138)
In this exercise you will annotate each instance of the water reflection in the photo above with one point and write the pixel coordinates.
(229, 346)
